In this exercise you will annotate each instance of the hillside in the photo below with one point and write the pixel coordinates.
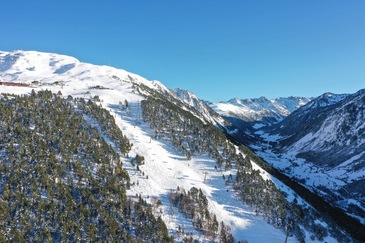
(60, 180)
(174, 148)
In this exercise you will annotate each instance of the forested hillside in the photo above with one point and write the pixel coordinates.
(194, 205)
(60, 181)
(69, 171)
(192, 137)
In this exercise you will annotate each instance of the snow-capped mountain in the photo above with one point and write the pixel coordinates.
(248, 115)
(164, 168)
(49, 69)
(266, 111)
(322, 144)
(174, 161)
(190, 102)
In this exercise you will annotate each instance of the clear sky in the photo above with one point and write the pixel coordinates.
(218, 49)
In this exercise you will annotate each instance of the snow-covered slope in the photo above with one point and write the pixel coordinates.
(194, 102)
(261, 109)
(164, 168)
(47, 69)
(322, 144)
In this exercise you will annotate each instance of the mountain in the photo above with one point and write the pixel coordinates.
(182, 169)
(322, 144)
(193, 101)
(49, 69)
(263, 110)
(248, 115)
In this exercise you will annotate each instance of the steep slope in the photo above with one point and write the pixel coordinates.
(228, 126)
(193, 101)
(314, 117)
(180, 148)
(322, 144)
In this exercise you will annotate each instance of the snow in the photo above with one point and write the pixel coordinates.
(290, 196)
(165, 167)
(256, 109)
(268, 137)
(311, 175)
(348, 162)
(258, 125)
(334, 131)
(318, 140)
(194, 102)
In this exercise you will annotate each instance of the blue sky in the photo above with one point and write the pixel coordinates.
(217, 49)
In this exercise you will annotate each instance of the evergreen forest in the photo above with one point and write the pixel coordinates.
(62, 176)
(60, 181)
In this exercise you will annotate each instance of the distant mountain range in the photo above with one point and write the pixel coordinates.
(260, 110)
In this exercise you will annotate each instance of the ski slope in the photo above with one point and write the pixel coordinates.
(165, 168)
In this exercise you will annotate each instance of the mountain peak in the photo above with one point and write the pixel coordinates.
(326, 99)
(263, 99)
(187, 96)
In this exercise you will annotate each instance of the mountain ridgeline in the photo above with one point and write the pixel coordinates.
(261, 110)
(248, 115)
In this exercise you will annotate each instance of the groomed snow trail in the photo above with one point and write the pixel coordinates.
(165, 169)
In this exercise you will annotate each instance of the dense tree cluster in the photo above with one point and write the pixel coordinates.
(259, 193)
(107, 123)
(187, 132)
(59, 179)
(194, 205)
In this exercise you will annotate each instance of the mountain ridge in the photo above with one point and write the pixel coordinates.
(261, 109)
